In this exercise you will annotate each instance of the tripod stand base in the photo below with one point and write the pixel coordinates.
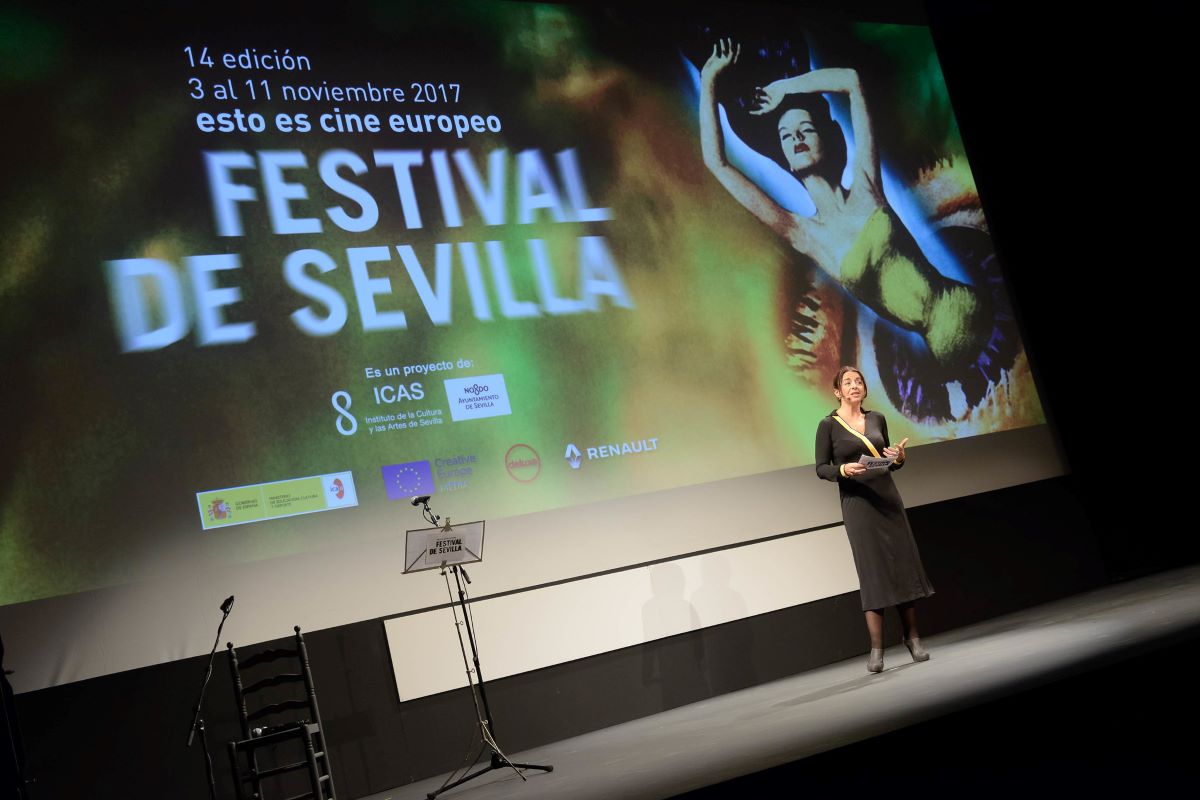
(498, 762)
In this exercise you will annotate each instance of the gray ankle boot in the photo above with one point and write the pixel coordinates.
(919, 653)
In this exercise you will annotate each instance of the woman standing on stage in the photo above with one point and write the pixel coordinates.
(885, 555)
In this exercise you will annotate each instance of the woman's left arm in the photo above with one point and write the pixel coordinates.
(838, 81)
(896, 452)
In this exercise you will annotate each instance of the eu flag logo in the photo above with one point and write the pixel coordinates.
(403, 481)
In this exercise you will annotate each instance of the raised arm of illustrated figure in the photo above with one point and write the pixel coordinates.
(712, 145)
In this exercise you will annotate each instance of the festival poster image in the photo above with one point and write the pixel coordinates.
(265, 282)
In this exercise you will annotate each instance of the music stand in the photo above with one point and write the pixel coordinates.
(448, 548)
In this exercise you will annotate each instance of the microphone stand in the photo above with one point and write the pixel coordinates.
(483, 714)
(198, 720)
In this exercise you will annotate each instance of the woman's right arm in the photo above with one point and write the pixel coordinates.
(824, 452)
(712, 145)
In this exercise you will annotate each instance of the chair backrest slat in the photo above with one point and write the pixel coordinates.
(266, 656)
(275, 708)
(274, 680)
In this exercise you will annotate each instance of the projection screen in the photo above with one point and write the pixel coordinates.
(267, 280)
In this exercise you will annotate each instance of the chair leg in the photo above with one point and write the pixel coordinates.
(237, 772)
(254, 778)
(314, 772)
(327, 772)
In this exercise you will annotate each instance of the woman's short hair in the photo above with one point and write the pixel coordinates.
(833, 141)
(841, 373)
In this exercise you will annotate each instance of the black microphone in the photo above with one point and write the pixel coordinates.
(416, 501)
(228, 604)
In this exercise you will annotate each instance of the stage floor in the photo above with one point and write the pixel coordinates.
(775, 723)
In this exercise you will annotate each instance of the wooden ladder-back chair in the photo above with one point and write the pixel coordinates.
(275, 722)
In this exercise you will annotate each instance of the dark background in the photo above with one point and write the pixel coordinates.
(1074, 127)
(1071, 123)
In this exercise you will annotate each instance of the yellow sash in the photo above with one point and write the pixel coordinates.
(864, 439)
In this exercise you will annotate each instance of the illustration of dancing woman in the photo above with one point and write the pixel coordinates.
(855, 236)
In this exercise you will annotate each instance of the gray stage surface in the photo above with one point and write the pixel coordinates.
(775, 723)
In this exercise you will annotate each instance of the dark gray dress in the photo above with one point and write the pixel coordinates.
(885, 555)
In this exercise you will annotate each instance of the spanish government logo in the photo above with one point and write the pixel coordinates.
(219, 510)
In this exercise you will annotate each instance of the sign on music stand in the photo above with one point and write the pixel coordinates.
(433, 548)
